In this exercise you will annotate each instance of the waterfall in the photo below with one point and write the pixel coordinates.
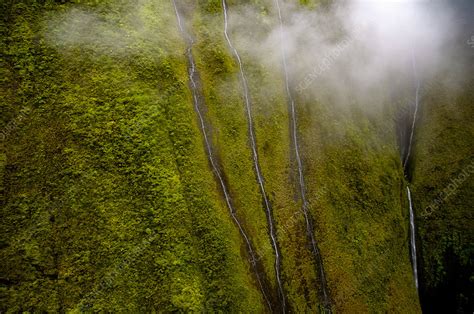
(302, 187)
(248, 109)
(193, 77)
(412, 239)
(417, 92)
(405, 166)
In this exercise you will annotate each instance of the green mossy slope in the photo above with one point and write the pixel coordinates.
(108, 202)
(356, 191)
(443, 197)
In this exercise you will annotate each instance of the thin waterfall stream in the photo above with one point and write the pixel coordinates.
(417, 92)
(406, 166)
(412, 238)
(302, 187)
(193, 79)
(253, 144)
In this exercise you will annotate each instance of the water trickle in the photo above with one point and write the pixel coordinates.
(305, 207)
(412, 239)
(417, 92)
(193, 76)
(406, 166)
(248, 109)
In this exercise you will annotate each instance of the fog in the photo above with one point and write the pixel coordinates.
(347, 49)
(137, 26)
(350, 48)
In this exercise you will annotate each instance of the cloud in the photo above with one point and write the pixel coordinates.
(130, 29)
(352, 47)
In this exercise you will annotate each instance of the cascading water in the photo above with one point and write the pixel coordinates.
(305, 207)
(412, 238)
(407, 157)
(406, 168)
(256, 163)
(193, 77)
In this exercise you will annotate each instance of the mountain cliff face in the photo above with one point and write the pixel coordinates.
(111, 200)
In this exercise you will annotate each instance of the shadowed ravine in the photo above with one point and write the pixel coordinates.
(258, 172)
(198, 107)
(302, 187)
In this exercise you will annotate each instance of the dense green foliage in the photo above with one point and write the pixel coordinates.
(108, 203)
